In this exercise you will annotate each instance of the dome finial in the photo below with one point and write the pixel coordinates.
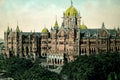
(56, 26)
(71, 11)
(71, 2)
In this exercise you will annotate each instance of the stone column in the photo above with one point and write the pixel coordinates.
(88, 47)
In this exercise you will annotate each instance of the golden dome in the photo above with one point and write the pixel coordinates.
(71, 11)
(45, 30)
(83, 26)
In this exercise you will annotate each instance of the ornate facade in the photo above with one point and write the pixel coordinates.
(62, 43)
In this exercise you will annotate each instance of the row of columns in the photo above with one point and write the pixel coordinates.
(91, 50)
(55, 61)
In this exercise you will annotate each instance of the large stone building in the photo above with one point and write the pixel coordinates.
(62, 43)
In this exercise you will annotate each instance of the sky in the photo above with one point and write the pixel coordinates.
(34, 15)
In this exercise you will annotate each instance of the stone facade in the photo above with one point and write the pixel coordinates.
(62, 43)
(22, 44)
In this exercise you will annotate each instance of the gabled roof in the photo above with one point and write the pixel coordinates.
(62, 28)
(94, 32)
(30, 33)
(88, 32)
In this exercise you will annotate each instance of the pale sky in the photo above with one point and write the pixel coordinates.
(37, 14)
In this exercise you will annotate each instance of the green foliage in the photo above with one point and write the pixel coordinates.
(94, 67)
(14, 66)
(39, 73)
(1, 63)
(25, 69)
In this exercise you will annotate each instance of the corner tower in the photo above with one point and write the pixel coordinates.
(71, 17)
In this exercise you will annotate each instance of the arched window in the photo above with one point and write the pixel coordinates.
(82, 51)
(55, 61)
(85, 50)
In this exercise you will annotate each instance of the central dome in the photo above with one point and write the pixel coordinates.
(71, 11)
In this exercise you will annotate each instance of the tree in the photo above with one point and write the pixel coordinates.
(94, 67)
(25, 69)
(39, 73)
(15, 66)
(2, 63)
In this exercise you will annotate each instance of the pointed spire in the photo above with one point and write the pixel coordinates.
(118, 29)
(8, 29)
(11, 30)
(56, 24)
(103, 25)
(17, 29)
(71, 3)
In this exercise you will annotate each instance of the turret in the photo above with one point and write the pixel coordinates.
(79, 20)
(56, 26)
(17, 29)
(44, 42)
(71, 17)
(8, 29)
(71, 11)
